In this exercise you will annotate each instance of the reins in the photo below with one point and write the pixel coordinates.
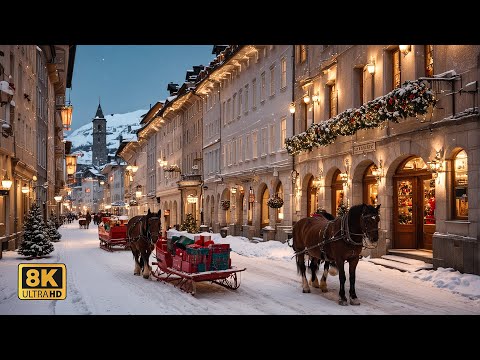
(130, 229)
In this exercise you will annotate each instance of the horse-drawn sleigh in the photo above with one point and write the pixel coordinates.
(187, 265)
(112, 232)
(182, 268)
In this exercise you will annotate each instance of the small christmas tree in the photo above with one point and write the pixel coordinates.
(189, 225)
(35, 242)
(52, 231)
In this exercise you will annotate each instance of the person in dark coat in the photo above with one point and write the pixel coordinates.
(88, 217)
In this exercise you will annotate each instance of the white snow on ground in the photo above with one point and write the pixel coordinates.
(101, 282)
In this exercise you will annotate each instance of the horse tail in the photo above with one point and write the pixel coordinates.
(288, 242)
(300, 265)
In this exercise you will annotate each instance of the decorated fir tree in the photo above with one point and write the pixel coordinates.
(35, 242)
(189, 225)
(52, 231)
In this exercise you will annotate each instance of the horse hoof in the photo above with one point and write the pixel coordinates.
(146, 276)
(354, 301)
(332, 271)
(324, 290)
(342, 302)
(306, 291)
(138, 274)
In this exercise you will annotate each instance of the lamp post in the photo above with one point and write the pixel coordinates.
(58, 198)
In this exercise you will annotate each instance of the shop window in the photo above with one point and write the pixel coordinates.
(460, 185)
(429, 60)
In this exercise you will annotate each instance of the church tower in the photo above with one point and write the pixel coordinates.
(99, 146)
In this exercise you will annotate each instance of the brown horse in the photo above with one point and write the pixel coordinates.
(335, 241)
(142, 234)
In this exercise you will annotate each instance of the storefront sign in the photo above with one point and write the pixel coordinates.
(364, 148)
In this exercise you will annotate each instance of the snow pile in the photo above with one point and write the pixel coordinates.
(464, 284)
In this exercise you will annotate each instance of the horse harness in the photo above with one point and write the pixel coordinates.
(344, 233)
(140, 236)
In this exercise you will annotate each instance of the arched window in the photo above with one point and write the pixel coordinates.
(460, 186)
(265, 214)
(311, 196)
(370, 186)
(337, 192)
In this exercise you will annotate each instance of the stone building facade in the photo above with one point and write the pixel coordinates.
(34, 82)
(422, 170)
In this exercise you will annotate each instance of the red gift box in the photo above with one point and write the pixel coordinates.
(164, 258)
(220, 248)
(188, 267)
(177, 262)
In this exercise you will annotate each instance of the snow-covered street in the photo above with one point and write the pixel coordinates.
(100, 282)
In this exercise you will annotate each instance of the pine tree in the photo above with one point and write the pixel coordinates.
(189, 225)
(35, 242)
(52, 231)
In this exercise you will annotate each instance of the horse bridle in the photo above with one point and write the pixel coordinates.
(345, 232)
(149, 234)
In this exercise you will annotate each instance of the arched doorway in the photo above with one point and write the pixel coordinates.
(337, 192)
(414, 205)
(370, 186)
(251, 202)
(264, 215)
(225, 207)
(240, 202)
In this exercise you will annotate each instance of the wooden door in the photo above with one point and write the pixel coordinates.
(405, 215)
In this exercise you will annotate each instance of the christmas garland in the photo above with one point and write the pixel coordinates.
(171, 168)
(411, 99)
(275, 202)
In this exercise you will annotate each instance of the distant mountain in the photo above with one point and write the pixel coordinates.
(117, 124)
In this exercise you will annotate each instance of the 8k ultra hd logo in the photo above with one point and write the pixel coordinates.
(42, 281)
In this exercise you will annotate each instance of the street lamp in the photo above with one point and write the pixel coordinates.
(6, 183)
(71, 163)
(66, 115)
(25, 189)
